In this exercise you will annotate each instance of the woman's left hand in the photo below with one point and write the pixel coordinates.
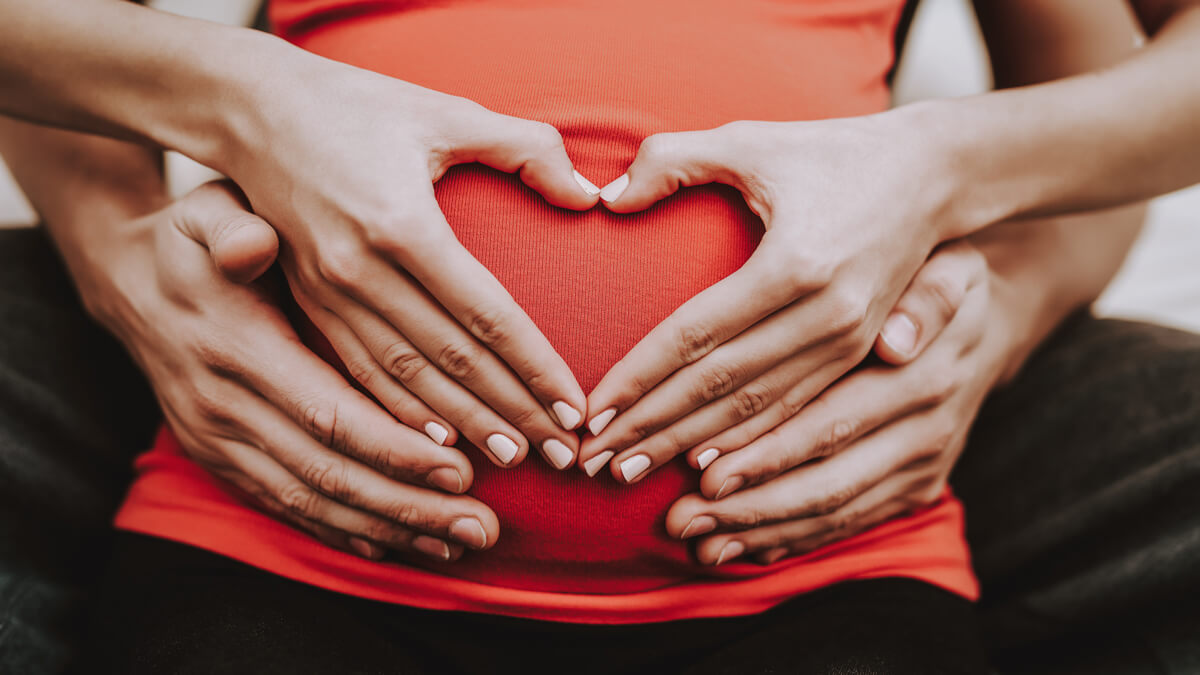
(851, 209)
(875, 445)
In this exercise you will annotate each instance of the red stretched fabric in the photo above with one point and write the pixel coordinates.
(606, 74)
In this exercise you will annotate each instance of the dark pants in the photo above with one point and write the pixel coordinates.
(1081, 479)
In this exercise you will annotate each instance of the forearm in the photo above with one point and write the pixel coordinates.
(87, 190)
(1045, 269)
(119, 69)
(1094, 140)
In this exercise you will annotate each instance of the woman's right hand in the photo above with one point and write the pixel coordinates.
(256, 407)
(344, 171)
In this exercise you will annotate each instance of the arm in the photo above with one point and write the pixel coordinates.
(242, 394)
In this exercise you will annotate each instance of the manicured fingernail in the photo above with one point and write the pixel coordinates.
(773, 556)
(558, 453)
(503, 447)
(699, 525)
(597, 423)
(613, 190)
(587, 185)
(470, 532)
(365, 548)
(634, 467)
(593, 465)
(434, 548)
(730, 551)
(446, 479)
(437, 432)
(707, 457)
(568, 417)
(732, 483)
(900, 333)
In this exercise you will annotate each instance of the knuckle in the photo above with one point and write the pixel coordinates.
(341, 264)
(320, 421)
(750, 400)
(298, 500)
(694, 341)
(847, 313)
(459, 360)
(545, 136)
(657, 148)
(940, 386)
(944, 292)
(325, 476)
(403, 362)
(211, 407)
(489, 326)
(835, 499)
(835, 436)
(715, 382)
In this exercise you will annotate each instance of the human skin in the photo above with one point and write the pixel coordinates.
(811, 299)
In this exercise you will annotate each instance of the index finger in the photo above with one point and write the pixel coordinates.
(481, 304)
(692, 331)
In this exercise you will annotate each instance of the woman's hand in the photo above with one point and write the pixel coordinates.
(344, 171)
(253, 405)
(849, 214)
(875, 445)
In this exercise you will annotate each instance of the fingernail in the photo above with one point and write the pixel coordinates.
(707, 457)
(568, 417)
(615, 188)
(597, 423)
(730, 551)
(446, 479)
(587, 185)
(558, 453)
(900, 333)
(773, 556)
(437, 432)
(732, 483)
(634, 467)
(503, 447)
(435, 548)
(365, 548)
(469, 532)
(593, 465)
(699, 525)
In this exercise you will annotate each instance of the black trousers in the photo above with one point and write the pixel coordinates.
(1081, 480)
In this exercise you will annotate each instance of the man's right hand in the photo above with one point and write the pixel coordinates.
(253, 405)
(344, 171)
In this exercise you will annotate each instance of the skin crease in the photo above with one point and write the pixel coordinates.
(112, 105)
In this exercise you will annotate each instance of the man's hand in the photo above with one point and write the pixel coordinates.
(348, 184)
(253, 405)
(848, 227)
(875, 445)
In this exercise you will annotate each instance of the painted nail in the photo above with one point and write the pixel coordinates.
(900, 333)
(365, 548)
(503, 447)
(730, 551)
(568, 417)
(587, 185)
(470, 532)
(732, 483)
(613, 190)
(434, 548)
(593, 465)
(558, 453)
(634, 467)
(707, 457)
(446, 479)
(773, 556)
(699, 525)
(597, 423)
(437, 432)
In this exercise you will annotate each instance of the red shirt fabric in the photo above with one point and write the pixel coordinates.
(606, 74)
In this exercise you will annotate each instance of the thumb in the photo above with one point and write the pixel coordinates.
(217, 217)
(930, 302)
(666, 162)
(535, 150)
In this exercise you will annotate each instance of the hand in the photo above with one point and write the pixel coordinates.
(250, 403)
(372, 262)
(875, 445)
(848, 216)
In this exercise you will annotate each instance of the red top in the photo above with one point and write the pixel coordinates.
(606, 73)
